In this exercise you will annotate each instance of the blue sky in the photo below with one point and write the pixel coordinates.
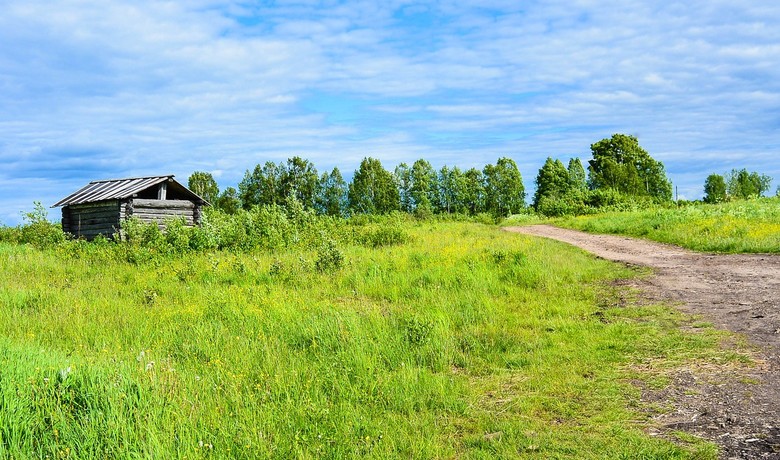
(104, 89)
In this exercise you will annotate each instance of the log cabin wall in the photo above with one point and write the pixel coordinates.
(88, 220)
(147, 210)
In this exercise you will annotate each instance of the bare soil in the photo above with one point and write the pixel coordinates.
(736, 408)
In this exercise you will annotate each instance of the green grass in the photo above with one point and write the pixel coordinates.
(464, 342)
(737, 227)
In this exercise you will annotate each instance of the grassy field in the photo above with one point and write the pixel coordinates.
(737, 227)
(463, 342)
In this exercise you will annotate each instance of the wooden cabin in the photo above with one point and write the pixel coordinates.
(100, 207)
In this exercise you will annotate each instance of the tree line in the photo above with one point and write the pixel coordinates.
(496, 189)
(620, 175)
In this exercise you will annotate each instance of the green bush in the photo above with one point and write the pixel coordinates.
(38, 230)
(10, 234)
(205, 236)
(560, 206)
(378, 236)
(485, 218)
(177, 235)
(329, 257)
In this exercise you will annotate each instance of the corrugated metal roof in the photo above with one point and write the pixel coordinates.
(112, 189)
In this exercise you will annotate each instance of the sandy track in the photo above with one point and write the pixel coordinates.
(740, 293)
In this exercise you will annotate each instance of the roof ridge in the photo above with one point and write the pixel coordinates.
(132, 178)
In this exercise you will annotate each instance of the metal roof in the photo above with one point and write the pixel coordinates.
(114, 189)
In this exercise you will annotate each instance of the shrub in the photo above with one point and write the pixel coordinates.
(10, 234)
(205, 236)
(605, 200)
(378, 236)
(485, 218)
(329, 257)
(177, 235)
(38, 230)
(559, 206)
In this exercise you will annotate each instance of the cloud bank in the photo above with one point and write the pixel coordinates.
(101, 89)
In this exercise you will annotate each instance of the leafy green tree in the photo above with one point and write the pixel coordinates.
(228, 201)
(553, 181)
(714, 189)
(742, 184)
(298, 179)
(504, 190)
(452, 186)
(619, 163)
(332, 198)
(423, 187)
(474, 191)
(262, 186)
(373, 189)
(403, 180)
(204, 185)
(577, 177)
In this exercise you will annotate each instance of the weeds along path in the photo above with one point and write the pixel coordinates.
(740, 293)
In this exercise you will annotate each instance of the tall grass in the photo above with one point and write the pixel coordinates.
(463, 341)
(751, 226)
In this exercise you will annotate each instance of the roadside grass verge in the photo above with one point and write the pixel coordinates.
(751, 226)
(464, 341)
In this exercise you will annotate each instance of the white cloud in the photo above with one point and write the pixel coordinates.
(92, 89)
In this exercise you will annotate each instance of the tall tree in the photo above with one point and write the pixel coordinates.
(577, 176)
(552, 181)
(474, 191)
(299, 179)
(504, 190)
(332, 198)
(742, 184)
(403, 180)
(262, 186)
(373, 189)
(619, 163)
(204, 185)
(228, 201)
(423, 187)
(452, 185)
(714, 189)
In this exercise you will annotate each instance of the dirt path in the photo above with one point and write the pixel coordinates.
(741, 293)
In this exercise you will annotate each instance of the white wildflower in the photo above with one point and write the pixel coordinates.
(64, 373)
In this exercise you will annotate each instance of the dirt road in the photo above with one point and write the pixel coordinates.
(741, 293)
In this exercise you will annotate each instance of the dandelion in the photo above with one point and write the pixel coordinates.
(149, 366)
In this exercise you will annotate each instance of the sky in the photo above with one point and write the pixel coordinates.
(100, 89)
